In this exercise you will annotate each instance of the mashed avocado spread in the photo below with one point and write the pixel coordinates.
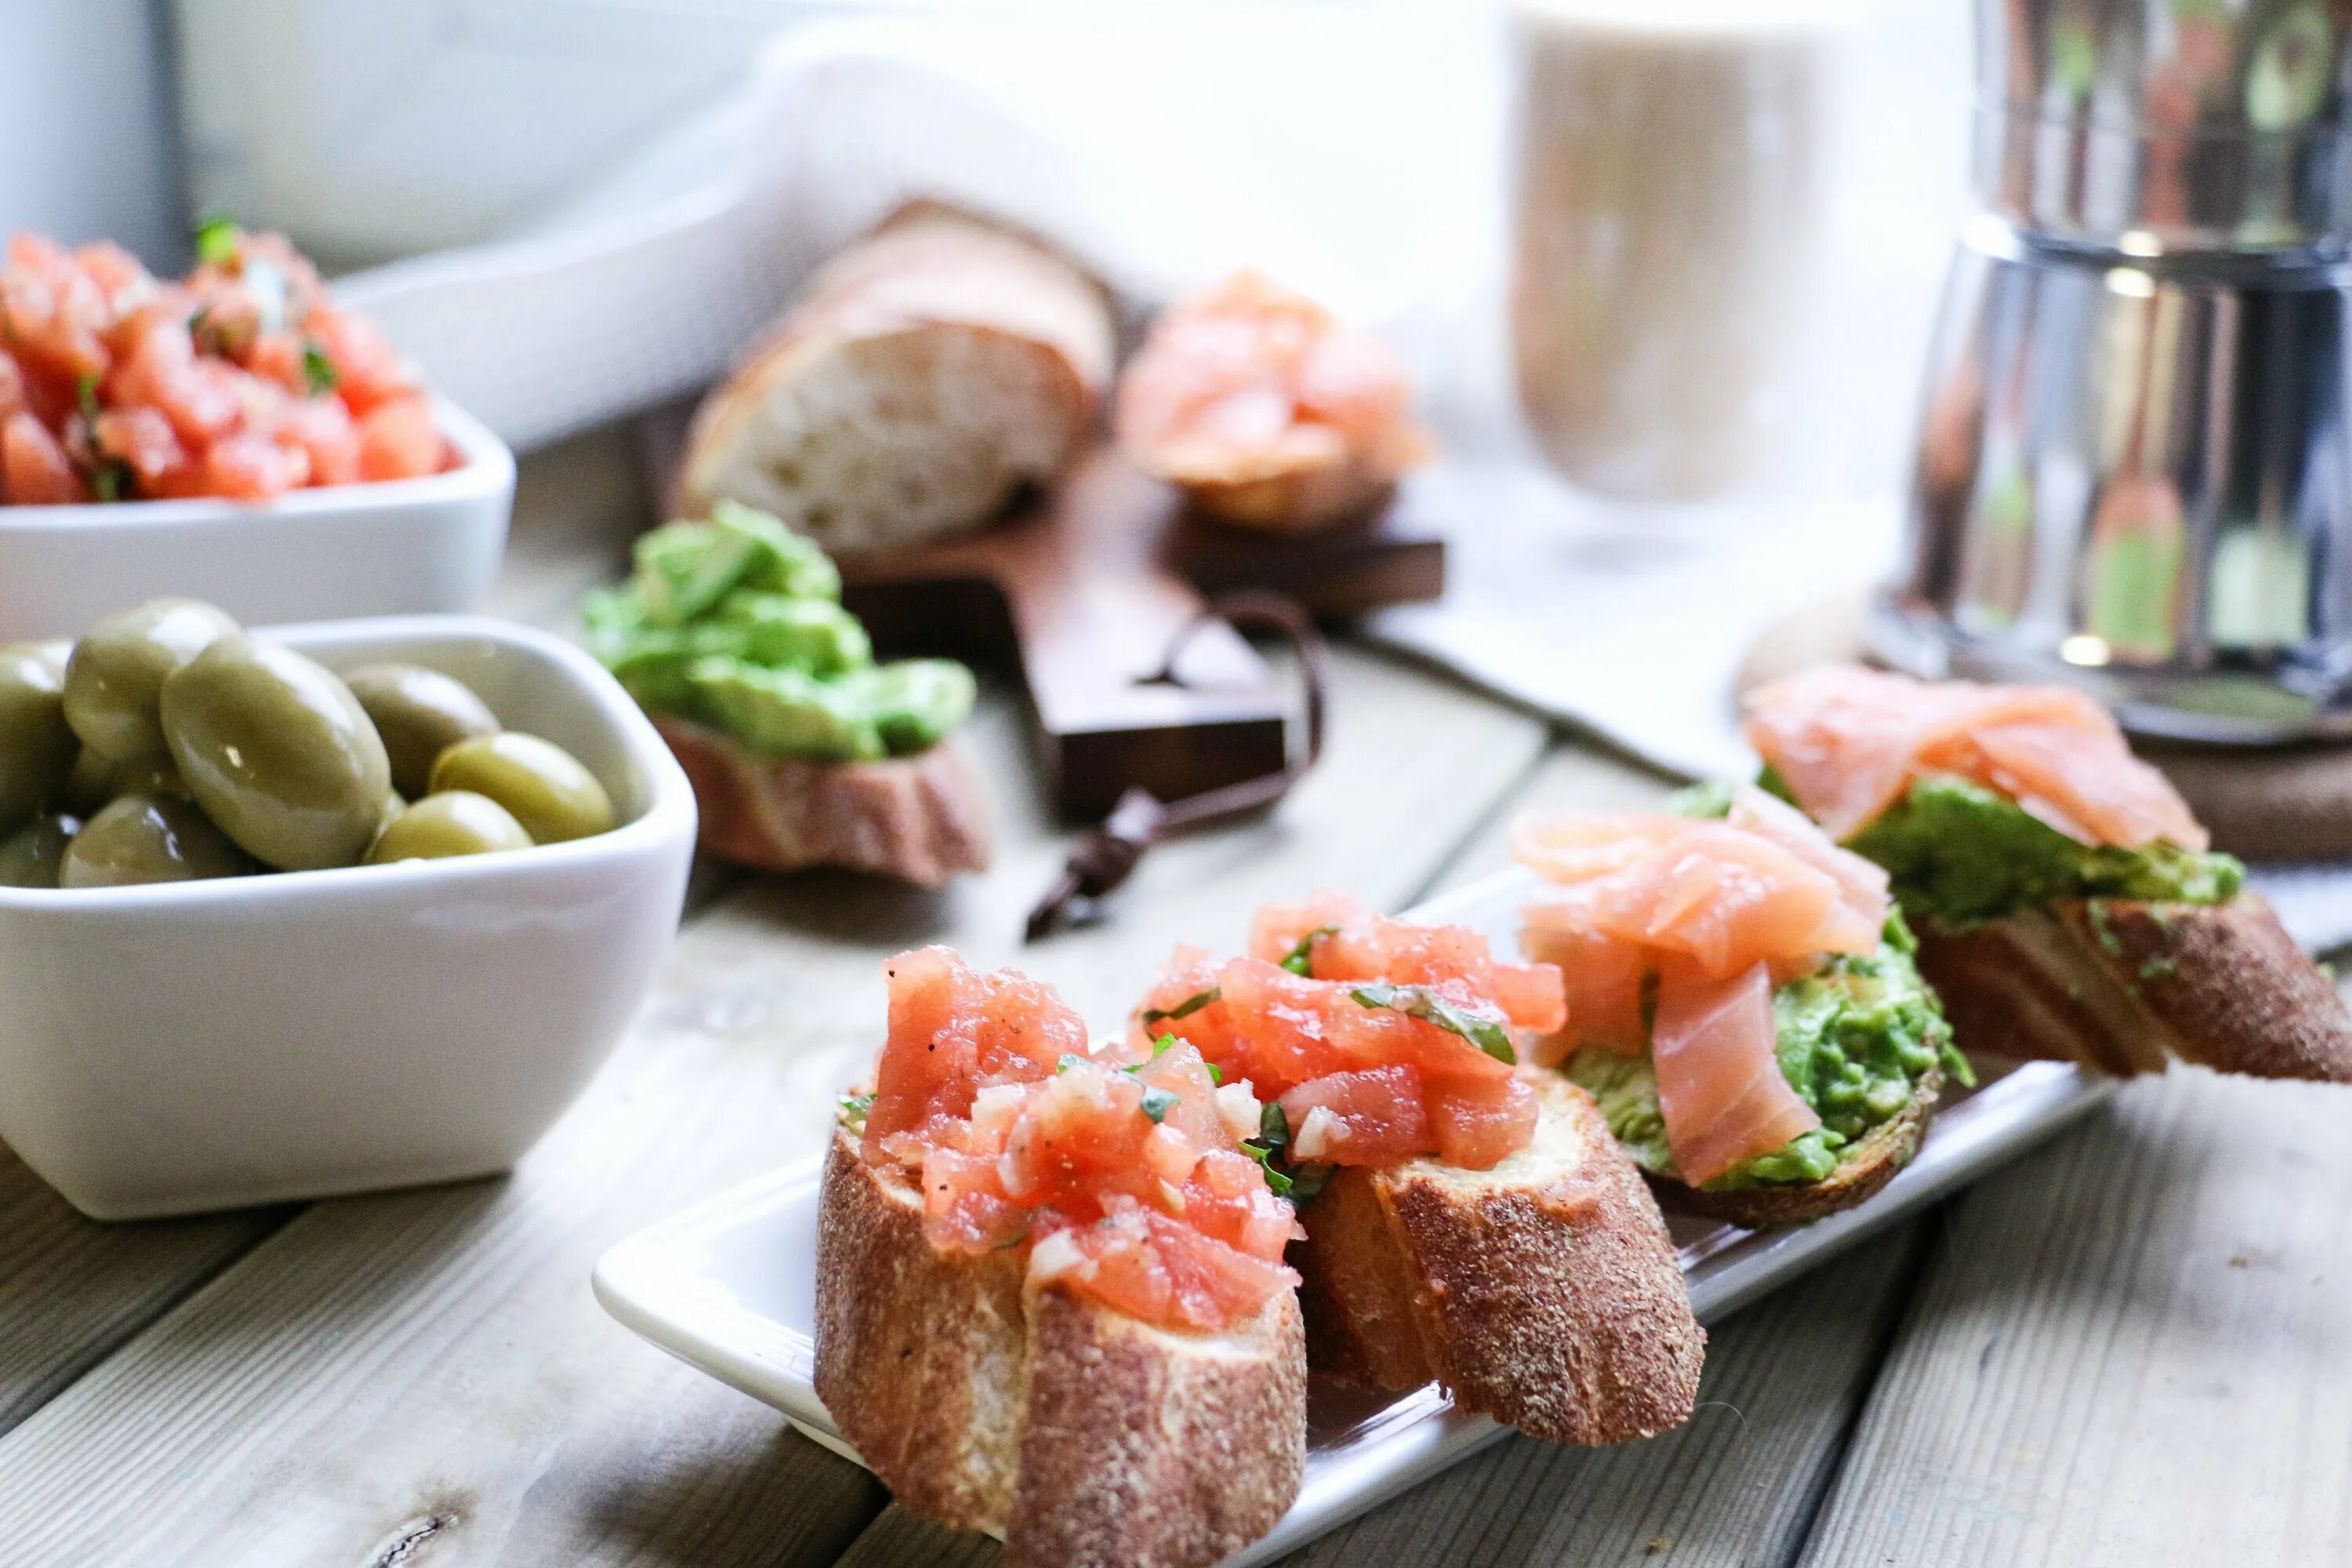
(1855, 1038)
(737, 622)
(1960, 855)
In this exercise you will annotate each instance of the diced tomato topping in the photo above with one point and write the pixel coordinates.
(236, 360)
(1386, 1015)
(398, 441)
(37, 471)
(1125, 1179)
(1479, 1122)
(1375, 1116)
(144, 440)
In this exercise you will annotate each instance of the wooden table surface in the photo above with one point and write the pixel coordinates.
(2133, 1347)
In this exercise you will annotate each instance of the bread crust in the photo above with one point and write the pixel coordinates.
(1866, 1169)
(920, 819)
(1080, 1437)
(922, 300)
(1544, 1292)
(2127, 986)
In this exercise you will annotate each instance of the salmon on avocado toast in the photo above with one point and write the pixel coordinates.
(1740, 999)
(1467, 1218)
(1051, 1299)
(2065, 896)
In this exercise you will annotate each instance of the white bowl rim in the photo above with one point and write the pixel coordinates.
(670, 810)
(488, 466)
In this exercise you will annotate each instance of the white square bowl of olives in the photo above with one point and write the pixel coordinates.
(286, 1015)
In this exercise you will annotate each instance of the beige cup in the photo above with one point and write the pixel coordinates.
(1671, 203)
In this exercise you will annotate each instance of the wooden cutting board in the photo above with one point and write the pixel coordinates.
(1089, 586)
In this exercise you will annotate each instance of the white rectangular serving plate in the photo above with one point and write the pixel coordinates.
(730, 1286)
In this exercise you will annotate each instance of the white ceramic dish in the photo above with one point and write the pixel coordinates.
(406, 547)
(206, 1044)
(730, 1286)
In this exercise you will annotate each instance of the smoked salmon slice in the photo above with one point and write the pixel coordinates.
(1720, 1088)
(1695, 921)
(1849, 742)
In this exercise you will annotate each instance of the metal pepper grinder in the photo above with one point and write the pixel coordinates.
(2135, 464)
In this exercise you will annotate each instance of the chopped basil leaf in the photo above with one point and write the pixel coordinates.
(318, 370)
(1417, 1002)
(1278, 1182)
(854, 1108)
(1158, 1102)
(1274, 1126)
(1159, 1048)
(1308, 1181)
(1185, 1009)
(1016, 1239)
(216, 240)
(1301, 958)
(1071, 1060)
(1216, 1073)
(86, 394)
(111, 481)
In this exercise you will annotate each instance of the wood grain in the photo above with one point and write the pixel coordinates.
(2130, 1349)
(71, 1290)
(381, 1364)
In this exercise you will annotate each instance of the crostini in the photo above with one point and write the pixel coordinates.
(1740, 999)
(1265, 411)
(1051, 1299)
(802, 749)
(2066, 901)
(1466, 1220)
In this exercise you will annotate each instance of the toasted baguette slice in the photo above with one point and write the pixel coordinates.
(2127, 986)
(922, 818)
(1080, 1437)
(928, 373)
(1544, 1292)
(1866, 1167)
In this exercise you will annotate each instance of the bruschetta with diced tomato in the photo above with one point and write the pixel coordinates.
(1467, 1219)
(1052, 1303)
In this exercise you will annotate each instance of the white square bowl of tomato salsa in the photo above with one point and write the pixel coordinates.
(182, 1047)
(416, 546)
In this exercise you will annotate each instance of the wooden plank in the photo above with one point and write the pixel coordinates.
(2129, 1349)
(72, 1289)
(381, 1364)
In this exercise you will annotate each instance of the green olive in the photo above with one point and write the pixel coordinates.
(278, 752)
(150, 838)
(420, 713)
(37, 745)
(94, 780)
(34, 855)
(456, 822)
(541, 783)
(116, 678)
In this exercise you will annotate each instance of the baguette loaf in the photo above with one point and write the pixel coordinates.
(2126, 987)
(1544, 1292)
(922, 818)
(927, 373)
(1080, 1437)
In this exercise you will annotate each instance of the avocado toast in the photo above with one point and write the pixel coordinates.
(2064, 899)
(1742, 1004)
